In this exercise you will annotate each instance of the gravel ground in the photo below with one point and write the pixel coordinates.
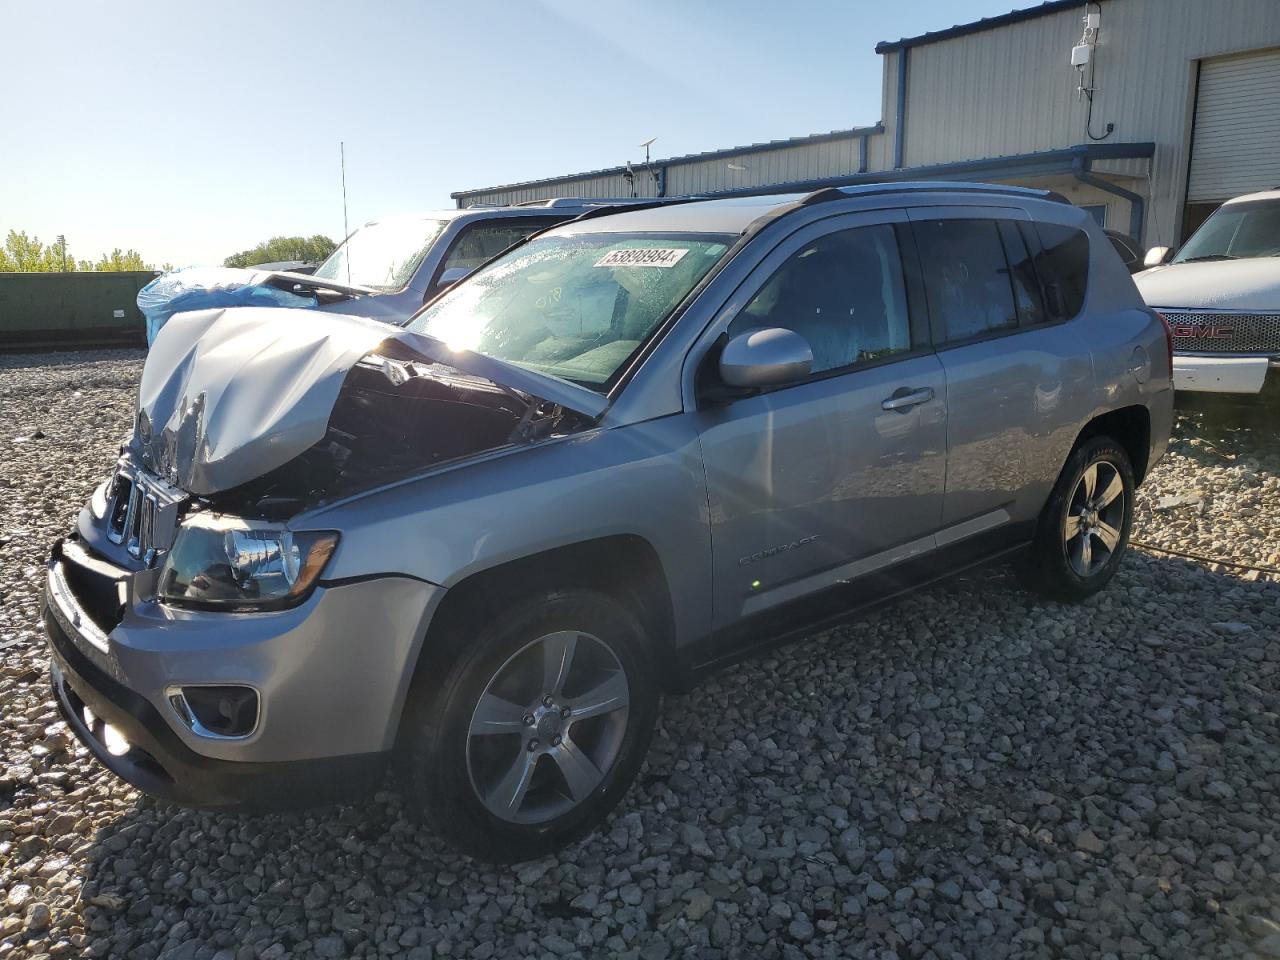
(970, 772)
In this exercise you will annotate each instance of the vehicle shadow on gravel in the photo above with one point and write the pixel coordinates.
(1215, 431)
(969, 768)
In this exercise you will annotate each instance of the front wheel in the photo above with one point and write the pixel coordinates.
(535, 730)
(1084, 528)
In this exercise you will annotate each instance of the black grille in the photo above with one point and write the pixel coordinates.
(1225, 332)
(95, 589)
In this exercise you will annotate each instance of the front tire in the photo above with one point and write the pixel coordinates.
(1084, 528)
(534, 729)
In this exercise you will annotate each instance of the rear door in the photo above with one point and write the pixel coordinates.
(1019, 376)
(821, 481)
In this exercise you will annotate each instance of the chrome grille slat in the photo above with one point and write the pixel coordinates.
(142, 512)
(1209, 332)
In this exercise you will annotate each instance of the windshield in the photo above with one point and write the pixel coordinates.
(381, 255)
(1236, 230)
(577, 308)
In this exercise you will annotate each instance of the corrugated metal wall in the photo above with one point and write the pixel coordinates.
(828, 158)
(825, 156)
(1013, 90)
(1010, 91)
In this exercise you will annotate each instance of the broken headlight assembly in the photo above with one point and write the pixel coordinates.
(227, 563)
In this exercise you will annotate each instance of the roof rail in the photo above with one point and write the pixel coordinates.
(605, 208)
(556, 202)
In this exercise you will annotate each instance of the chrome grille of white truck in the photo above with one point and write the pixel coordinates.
(1208, 332)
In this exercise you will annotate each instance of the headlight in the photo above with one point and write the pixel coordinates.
(230, 563)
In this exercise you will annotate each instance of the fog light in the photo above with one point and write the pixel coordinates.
(216, 711)
(117, 745)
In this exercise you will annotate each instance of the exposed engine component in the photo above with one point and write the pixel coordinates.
(396, 416)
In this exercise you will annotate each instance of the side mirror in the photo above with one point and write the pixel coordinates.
(1156, 256)
(449, 278)
(765, 358)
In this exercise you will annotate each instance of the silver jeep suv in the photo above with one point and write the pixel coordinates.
(480, 547)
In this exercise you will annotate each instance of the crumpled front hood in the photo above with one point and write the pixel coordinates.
(1249, 284)
(228, 395)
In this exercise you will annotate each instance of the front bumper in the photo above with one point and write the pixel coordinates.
(1222, 373)
(332, 675)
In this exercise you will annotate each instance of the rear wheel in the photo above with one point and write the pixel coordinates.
(535, 730)
(1084, 528)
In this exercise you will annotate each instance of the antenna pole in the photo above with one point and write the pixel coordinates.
(346, 232)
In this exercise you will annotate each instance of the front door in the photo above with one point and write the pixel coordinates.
(842, 474)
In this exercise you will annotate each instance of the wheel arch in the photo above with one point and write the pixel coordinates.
(1128, 426)
(623, 566)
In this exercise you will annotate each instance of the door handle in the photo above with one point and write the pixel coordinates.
(903, 401)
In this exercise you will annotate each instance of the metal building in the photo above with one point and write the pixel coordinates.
(1148, 112)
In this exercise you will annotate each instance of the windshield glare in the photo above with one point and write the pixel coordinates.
(1236, 230)
(577, 308)
(381, 255)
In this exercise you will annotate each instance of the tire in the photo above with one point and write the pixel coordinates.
(1060, 567)
(498, 771)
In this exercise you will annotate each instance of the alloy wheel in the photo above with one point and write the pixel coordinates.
(548, 727)
(1095, 518)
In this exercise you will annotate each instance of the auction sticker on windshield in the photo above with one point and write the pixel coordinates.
(642, 257)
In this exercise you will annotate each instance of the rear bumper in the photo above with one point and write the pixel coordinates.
(1223, 373)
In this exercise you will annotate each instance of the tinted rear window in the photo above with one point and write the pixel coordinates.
(1063, 266)
(966, 276)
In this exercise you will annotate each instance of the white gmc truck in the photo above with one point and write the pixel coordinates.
(1220, 296)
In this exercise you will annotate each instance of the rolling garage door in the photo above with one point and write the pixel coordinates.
(1236, 145)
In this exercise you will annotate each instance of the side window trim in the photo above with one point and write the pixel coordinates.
(937, 324)
(1005, 228)
(913, 276)
(707, 346)
(1031, 237)
(853, 365)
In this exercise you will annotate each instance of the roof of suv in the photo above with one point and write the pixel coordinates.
(733, 215)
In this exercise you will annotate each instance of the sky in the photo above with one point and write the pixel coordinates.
(190, 131)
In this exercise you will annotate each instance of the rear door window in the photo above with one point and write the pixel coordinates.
(967, 277)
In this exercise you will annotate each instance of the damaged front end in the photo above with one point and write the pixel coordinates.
(267, 412)
(399, 414)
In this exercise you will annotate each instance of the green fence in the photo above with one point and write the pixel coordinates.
(71, 309)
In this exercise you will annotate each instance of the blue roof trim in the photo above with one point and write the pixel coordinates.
(687, 158)
(977, 26)
(1046, 163)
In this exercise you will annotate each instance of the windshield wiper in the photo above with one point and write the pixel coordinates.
(1209, 256)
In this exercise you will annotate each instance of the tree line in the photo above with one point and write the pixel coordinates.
(24, 254)
(310, 249)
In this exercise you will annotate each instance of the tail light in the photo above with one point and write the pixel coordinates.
(1168, 338)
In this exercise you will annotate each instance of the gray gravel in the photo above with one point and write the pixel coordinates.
(970, 772)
